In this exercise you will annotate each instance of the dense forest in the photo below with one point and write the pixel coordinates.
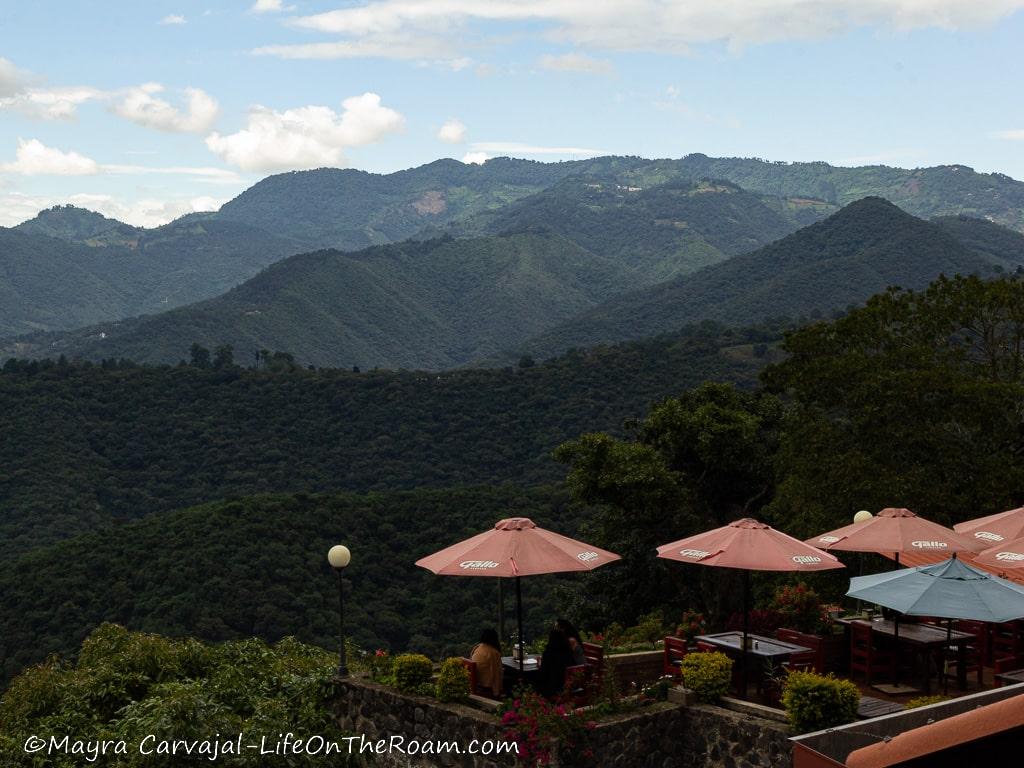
(866, 247)
(87, 444)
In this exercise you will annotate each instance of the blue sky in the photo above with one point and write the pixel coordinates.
(145, 111)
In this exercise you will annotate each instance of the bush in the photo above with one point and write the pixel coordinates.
(799, 608)
(814, 702)
(545, 732)
(707, 674)
(411, 671)
(452, 681)
(924, 701)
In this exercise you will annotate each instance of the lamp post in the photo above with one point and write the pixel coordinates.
(861, 517)
(339, 557)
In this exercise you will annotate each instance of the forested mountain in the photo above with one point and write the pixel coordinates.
(85, 445)
(866, 247)
(79, 273)
(925, 192)
(662, 231)
(257, 567)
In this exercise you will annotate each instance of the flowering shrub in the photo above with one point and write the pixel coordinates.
(760, 622)
(380, 667)
(799, 607)
(658, 690)
(544, 730)
(692, 624)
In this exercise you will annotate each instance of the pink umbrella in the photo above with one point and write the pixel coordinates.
(1003, 556)
(994, 529)
(748, 545)
(896, 531)
(516, 547)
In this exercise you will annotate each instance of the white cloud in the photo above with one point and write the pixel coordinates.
(474, 158)
(306, 137)
(516, 148)
(1013, 135)
(395, 47)
(637, 24)
(51, 103)
(140, 105)
(576, 62)
(16, 207)
(12, 79)
(172, 19)
(269, 6)
(453, 132)
(33, 158)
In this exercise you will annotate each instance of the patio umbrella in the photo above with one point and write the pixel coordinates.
(748, 545)
(1004, 556)
(516, 547)
(993, 529)
(949, 590)
(895, 531)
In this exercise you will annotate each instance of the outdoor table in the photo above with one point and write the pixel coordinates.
(530, 664)
(1011, 677)
(764, 648)
(870, 707)
(510, 671)
(926, 638)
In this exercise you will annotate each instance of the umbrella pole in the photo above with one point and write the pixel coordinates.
(945, 656)
(746, 627)
(501, 608)
(519, 622)
(896, 638)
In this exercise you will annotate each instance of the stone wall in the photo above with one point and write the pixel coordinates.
(665, 735)
(641, 667)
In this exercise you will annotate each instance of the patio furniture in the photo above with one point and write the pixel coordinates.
(869, 707)
(801, 662)
(866, 653)
(925, 639)
(766, 650)
(470, 666)
(810, 641)
(675, 650)
(1008, 676)
(593, 659)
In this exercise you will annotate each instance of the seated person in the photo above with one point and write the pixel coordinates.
(556, 659)
(487, 656)
(575, 642)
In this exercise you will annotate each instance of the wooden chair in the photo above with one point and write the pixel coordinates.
(474, 687)
(865, 654)
(803, 661)
(981, 633)
(593, 655)
(703, 647)
(1005, 640)
(807, 641)
(676, 649)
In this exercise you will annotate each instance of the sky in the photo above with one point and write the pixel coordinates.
(146, 111)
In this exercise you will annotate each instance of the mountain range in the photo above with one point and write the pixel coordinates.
(452, 264)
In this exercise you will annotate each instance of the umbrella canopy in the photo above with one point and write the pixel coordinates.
(894, 531)
(994, 529)
(1004, 556)
(749, 545)
(950, 589)
(516, 546)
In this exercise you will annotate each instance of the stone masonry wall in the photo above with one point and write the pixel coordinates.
(658, 736)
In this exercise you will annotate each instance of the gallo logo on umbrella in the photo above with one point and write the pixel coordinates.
(1012, 556)
(478, 564)
(929, 544)
(828, 539)
(806, 559)
(696, 554)
(586, 557)
(988, 536)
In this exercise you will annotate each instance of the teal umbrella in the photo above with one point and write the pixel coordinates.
(949, 590)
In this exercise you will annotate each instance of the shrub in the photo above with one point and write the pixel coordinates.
(799, 608)
(759, 622)
(452, 681)
(707, 674)
(924, 701)
(411, 670)
(691, 625)
(814, 702)
(380, 667)
(544, 731)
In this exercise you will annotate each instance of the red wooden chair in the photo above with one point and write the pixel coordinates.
(1006, 664)
(593, 659)
(703, 647)
(803, 661)
(865, 654)
(675, 649)
(474, 688)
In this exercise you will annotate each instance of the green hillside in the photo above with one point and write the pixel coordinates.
(434, 304)
(661, 231)
(84, 445)
(861, 250)
(74, 277)
(258, 567)
(925, 192)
